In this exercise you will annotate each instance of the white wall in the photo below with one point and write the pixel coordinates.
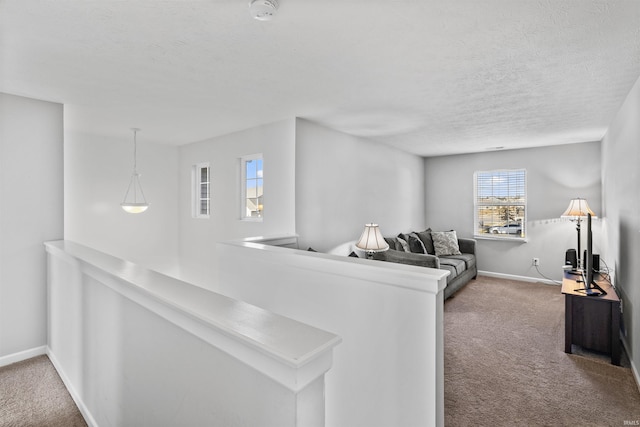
(198, 237)
(621, 194)
(344, 182)
(554, 176)
(97, 172)
(388, 370)
(31, 212)
(305, 166)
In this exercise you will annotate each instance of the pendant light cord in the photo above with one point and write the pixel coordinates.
(134, 182)
(135, 151)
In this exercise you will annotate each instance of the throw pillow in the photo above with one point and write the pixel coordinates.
(401, 244)
(415, 244)
(425, 237)
(445, 243)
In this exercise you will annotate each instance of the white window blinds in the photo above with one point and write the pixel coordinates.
(500, 203)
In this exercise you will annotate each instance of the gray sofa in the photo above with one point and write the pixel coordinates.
(462, 267)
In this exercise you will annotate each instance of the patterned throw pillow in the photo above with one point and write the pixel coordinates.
(445, 243)
(401, 244)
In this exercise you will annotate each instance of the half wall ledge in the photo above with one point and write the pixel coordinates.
(293, 354)
(389, 369)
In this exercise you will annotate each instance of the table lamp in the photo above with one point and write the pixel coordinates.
(371, 240)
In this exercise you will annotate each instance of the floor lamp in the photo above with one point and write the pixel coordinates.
(577, 210)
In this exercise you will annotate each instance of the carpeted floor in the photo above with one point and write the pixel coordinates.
(505, 363)
(32, 394)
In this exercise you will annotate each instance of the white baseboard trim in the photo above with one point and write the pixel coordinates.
(22, 355)
(634, 369)
(515, 277)
(91, 422)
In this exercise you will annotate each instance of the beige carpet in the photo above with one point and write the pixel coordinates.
(32, 394)
(505, 363)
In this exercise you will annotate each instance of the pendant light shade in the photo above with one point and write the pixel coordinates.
(134, 200)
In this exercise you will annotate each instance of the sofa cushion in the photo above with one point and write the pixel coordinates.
(401, 257)
(425, 237)
(458, 265)
(451, 269)
(469, 259)
(445, 243)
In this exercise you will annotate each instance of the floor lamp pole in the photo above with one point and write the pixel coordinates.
(579, 266)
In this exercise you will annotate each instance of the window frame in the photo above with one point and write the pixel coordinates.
(477, 204)
(243, 187)
(196, 191)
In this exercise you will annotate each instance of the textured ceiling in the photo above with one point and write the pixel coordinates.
(429, 77)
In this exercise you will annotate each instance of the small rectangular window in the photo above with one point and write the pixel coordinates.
(500, 200)
(252, 187)
(201, 190)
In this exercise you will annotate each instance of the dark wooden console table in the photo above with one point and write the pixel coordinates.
(592, 322)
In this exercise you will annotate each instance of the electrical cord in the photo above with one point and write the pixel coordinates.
(606, 275)
(545, 277)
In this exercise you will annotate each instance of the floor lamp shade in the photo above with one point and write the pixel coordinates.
(578, 208)
(371, 239)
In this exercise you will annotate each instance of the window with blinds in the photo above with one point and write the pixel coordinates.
(500, 198)
(201, 190)
(252, 187)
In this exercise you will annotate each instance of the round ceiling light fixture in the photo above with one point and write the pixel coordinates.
(263, 10)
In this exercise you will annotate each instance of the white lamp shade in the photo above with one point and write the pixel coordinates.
(371, 239)
(578, 208)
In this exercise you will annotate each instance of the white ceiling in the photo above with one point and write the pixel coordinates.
(429, 77)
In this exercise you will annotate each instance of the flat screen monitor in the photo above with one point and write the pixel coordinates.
(590, 286)
(588, 259)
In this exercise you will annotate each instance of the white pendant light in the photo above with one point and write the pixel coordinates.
(134, 200)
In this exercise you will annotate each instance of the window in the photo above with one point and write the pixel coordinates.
(252, 187)
(501, 204)
(201, 190)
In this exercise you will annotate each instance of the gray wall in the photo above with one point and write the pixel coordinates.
(621, 193)
(31, 212)
(344, 182)
(554, 176)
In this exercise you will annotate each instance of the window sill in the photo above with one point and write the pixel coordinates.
(249, 219)
(503, 239)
